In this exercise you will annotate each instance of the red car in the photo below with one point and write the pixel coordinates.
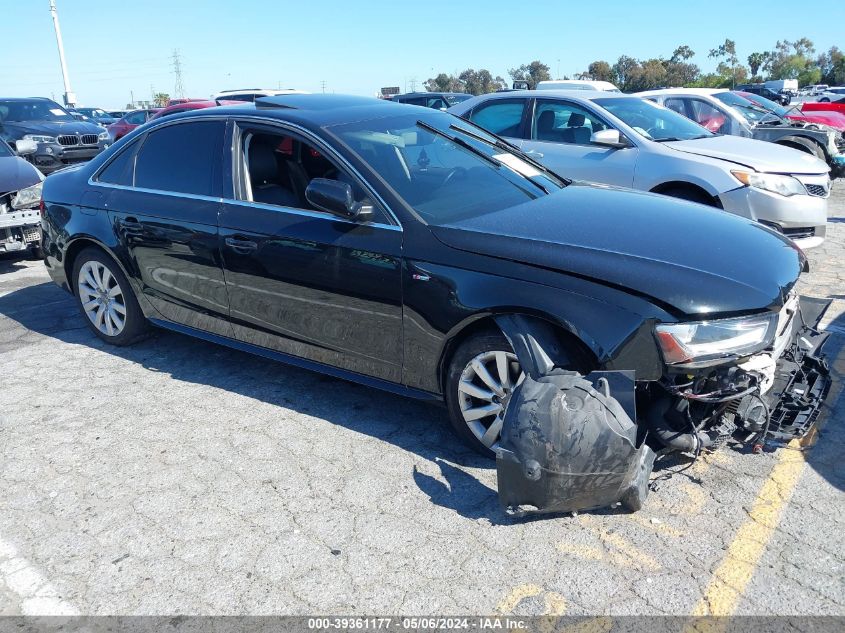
(129, 122)
(797, 112)
(190, 105)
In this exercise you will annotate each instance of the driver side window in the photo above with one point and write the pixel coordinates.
(277, 167)
(562, 122)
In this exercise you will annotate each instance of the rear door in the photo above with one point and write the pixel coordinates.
(559, 136)
(165, 217)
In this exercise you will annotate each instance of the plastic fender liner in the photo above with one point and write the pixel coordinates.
(568, 445)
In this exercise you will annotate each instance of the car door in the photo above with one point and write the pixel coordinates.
(164, 207)
(302, 281)
(559, 137)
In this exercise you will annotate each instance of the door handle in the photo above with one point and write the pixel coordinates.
(241, 246)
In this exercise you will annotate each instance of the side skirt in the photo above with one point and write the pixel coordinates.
(320, 368)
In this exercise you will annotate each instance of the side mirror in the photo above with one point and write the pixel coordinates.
(608, 138)
(25, 146)
(334, 196)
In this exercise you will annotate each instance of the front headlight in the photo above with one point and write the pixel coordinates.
(103, 136)
(707, 340)
(783, 185)
(27, 198)
(40, 138)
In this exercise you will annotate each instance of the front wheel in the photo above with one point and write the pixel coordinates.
(482, 375)
(106, 299)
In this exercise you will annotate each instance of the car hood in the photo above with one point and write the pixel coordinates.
(758, 155)
(16, 174)
(687, 257)
(833, 119)
(54, 128)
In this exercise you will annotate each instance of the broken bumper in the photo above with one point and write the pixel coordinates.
(802, 378)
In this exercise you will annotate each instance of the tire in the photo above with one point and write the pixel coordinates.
(462, 379)
(102, 293)
(691, 195)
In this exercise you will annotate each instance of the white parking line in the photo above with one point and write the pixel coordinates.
(37, 595)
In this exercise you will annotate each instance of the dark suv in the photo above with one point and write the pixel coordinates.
(759, 89)
(62, 140)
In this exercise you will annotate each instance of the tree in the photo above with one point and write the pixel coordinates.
(623, 70)
(792, 60)
(756, 61)
(533, 73)
(727, 52)
(600, 70)
(832, 67)
(444, 83)
(648, 75)
(480, 82)
(679, 71)
(161, 99)
(682, 54)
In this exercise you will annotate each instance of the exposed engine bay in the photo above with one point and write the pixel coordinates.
(19, 222)
(571, 442)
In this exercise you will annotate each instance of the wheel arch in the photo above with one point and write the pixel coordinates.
(568, 337)
(804, 144)
(688, 186)
(79, 244)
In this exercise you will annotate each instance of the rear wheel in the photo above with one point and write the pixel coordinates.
(106, 299)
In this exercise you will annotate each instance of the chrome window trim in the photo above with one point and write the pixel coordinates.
(247, 203)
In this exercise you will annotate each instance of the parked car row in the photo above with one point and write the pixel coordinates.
(627, 141)
(411, 250)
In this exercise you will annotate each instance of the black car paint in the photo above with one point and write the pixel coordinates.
(421, 285)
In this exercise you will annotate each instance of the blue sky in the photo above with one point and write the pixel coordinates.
(114, 47)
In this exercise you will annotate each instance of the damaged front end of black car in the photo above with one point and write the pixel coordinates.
(571, 442)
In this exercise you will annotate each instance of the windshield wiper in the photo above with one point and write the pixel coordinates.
(513, 149)
(461, 142)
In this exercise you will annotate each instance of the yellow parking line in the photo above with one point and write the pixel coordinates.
(733, 574)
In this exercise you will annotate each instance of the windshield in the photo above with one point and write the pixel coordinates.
(652, 121)
(747, 109)
(33, 111)
(768, 104)
(94, 112)
(443, 167)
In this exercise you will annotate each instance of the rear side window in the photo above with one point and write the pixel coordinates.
(119, 170)
(502, 116)
(182, 158)
(136, 118)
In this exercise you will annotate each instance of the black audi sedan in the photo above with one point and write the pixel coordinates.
(391, 245)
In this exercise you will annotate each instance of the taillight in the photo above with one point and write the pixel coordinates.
(41, 207)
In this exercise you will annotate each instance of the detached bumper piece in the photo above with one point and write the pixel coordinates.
(802, 377)
(568, 445)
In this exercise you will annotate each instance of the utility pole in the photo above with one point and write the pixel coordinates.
(69, 97)
(179, 89)
(413, 83)
(323, 86)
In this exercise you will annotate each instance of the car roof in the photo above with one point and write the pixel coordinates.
(585, 95)
(310, 110)
(690, 91)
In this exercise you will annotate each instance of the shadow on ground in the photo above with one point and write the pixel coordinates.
(416, 427)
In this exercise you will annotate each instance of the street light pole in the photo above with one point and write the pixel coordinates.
(70, 98)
